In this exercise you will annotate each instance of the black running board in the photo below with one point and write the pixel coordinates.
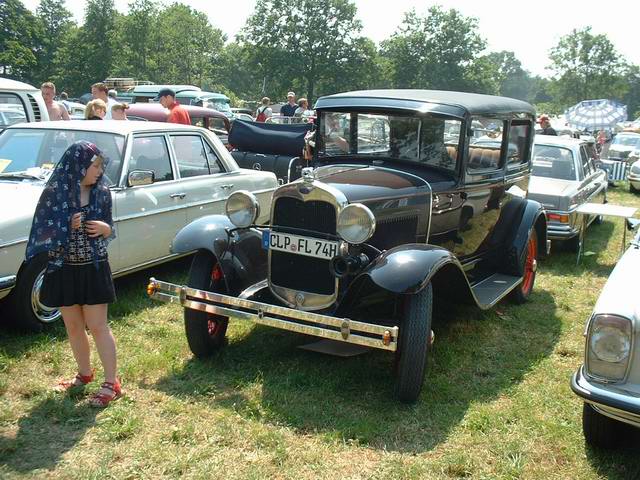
(494, 288)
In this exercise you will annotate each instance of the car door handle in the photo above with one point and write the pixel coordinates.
(178, 195)
(227, 186)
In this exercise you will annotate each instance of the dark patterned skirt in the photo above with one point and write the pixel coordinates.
(78, 284)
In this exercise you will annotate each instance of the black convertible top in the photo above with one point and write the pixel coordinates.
(269, 138)
(424, 100)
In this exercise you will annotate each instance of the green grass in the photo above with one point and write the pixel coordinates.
(496, 403)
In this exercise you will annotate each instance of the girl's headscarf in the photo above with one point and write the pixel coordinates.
(60, 200)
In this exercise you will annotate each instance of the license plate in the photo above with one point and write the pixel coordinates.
(310, 247)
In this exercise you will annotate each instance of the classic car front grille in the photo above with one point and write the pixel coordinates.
(299, 272)
(395, 231)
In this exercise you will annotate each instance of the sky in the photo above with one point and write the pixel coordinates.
(529, 29)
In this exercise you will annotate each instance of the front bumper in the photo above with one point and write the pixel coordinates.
(634, 179)
(611, 400)
(309, 323)
(6, 284)
(561, 231)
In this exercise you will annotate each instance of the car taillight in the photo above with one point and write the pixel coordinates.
(558, 217)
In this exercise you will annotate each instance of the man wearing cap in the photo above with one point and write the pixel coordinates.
(177, 113)
(545, 124)
(289, 108)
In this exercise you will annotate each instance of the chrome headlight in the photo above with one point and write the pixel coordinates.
(356, 223)
(609, 346)
(242, 208)
(635, 168)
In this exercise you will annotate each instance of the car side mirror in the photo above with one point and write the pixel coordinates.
(140, 177)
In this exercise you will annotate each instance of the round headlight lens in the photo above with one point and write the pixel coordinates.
(242, 208)
(356, 223)
(610, 344)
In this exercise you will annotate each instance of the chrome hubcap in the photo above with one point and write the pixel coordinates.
(42, 312)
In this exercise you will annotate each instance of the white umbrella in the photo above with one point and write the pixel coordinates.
(596, 114)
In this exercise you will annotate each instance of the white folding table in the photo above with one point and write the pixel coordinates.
(607, 210)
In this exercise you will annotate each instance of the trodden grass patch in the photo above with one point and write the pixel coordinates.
(496, 403)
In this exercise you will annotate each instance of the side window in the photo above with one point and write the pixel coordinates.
(485, 144)
(518, 151)
(151, 153)
(192, 156)
(586, 163)
(11, 110)
(215, 165)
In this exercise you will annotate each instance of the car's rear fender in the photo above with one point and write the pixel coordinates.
(239, 251)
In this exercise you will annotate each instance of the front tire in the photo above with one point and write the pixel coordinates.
(633, 189)
(601, 431)
(27, 311)
(529, 267)
(206, 332)
(414, 345)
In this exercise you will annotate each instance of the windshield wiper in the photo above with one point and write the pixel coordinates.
(22, 175)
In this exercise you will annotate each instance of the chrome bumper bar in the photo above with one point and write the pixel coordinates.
(7, 283)
(309, 323)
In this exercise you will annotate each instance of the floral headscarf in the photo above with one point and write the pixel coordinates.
(60, 200)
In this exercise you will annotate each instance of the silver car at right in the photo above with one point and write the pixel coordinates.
(564, 175)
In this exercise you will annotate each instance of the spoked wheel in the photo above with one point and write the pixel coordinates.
(529, 267)
(206, 332)
(414, 345)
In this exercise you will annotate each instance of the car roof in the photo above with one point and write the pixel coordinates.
(157, 110)
(558, 141)
(156, 88)
(200, 94)
(107, 126)
(7, 84)
(472, 103)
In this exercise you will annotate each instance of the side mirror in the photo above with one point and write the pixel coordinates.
(140, 177)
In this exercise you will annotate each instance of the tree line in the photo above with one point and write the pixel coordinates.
(317, 48)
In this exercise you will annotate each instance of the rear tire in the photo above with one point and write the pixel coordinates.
(414, 345)
(206, 333)
(633, 189)
(528, 269)
(601, 431)
(27, 313)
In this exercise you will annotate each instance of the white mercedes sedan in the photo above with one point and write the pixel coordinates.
(162, 177)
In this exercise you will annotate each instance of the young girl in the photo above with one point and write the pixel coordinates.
(95, 110)
(73, 224)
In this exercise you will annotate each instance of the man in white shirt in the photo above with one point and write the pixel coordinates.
(100, 90)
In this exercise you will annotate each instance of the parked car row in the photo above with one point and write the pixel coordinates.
(403, 197)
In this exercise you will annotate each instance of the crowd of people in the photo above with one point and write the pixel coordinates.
(105, 106)
(296, 111)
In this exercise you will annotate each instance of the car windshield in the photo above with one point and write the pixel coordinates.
(218, 104)
(32, 153)
(627, 141)
(553, 162)
(423, 140)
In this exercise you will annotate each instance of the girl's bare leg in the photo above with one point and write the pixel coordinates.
(95, 317)
(74, 322)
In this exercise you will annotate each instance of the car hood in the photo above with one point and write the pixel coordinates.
(22, 197)
(363, 183)
(620, 294)
(552, 193)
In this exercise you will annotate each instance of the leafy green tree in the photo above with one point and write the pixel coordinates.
(632, 98)
(56, 22)
(188, 49)
(587, 66)
(303, 44)
(20, 37)
(138, 53)
(439, 50)
(513, 81)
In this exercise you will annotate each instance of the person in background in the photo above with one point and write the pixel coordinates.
(264, 112)
(119, 111)
(177, 113)
(73, 225)
(64, 100)
(303, 106)
(545, 124)
(56, 110)
(112, 94)
(289, 108)
(99, 91)
(95, 110)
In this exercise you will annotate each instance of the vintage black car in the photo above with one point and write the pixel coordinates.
(399, 208)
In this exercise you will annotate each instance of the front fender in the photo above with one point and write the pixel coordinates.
(241, 256)
(407, 269)
(533, 217)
